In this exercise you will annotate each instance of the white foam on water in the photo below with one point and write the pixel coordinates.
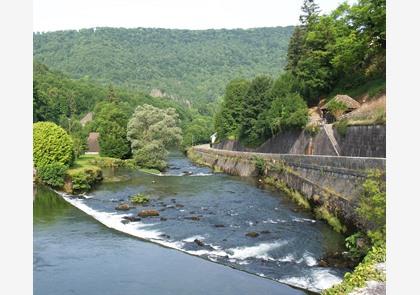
(287, 258)
(270, 221)
(304, 220)
(319, 279)
(191, 239)
(259, 251)
(113, 220)
(202, 174)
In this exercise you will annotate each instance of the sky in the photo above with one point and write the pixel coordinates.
(53, 15)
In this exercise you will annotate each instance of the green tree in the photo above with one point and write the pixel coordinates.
(110, 120)
(257, 99)
(197, 131)
(287, 112)
(51, 144)
(229, 116)
(151, 131)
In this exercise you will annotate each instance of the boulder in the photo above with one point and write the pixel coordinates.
(179, 205)
(252, 234)
(219, 225)
(131, 218)
(123, 207)
(265, 232)
(199, 243)
(163, 219)
(148, 213)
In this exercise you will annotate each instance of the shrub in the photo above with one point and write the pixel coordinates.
(51, 144)
(52, 174)
(260, 165)
(342, 127)
(312, 129)
(336, 108)
(331, 219)
(83, 179)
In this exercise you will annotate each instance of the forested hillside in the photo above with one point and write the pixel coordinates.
(191, 65)
(340, 52)
(58, 97)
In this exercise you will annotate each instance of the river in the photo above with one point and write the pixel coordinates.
(198, 244)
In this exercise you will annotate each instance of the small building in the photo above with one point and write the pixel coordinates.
(86, 119)
(93, 143)
(346, 100)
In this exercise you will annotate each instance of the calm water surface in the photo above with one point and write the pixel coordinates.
(84, 246)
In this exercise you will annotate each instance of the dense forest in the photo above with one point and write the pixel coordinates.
(342, 52)
(189, 65)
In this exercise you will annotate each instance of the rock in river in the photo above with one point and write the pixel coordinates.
(252, 234)
(199, 243)
(148, 213)
(123, 207)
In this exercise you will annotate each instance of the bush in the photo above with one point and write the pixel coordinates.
(342, 127)
(51, 144)
(84, 179)
(260, 165)
(336, 108)
(52, 174)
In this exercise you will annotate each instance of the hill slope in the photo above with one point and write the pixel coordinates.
(186, 64)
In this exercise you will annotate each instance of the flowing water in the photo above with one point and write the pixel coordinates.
(202, 214)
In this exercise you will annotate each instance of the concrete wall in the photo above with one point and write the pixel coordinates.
(359, 141)
(326, 180)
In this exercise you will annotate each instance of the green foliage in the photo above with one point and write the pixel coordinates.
(341, 127)
(51, 144)
(300, 200)
(331, 219)
(344, 49)
(336, 108)
(254, 111)
(288, 112)
(312, 129)
(151, 131)
(364, 272)
(372, 205)
(197, 131)
(58, 98)
(139, 199)
(189, 65)
(83, 179)
(257, 99)
(357, 245)
(228, 118)
(52, 174)
(260, 165)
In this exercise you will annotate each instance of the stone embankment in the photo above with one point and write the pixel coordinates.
(329, 182)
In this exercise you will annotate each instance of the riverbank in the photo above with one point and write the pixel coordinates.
(334, 204)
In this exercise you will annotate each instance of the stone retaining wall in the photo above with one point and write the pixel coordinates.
(331, 181)
(359, 141)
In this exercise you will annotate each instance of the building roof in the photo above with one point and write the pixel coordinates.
(87, 118)
(347, 100)
(93, 142)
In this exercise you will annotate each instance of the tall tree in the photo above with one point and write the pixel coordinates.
(256, 101)
(151, 131)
